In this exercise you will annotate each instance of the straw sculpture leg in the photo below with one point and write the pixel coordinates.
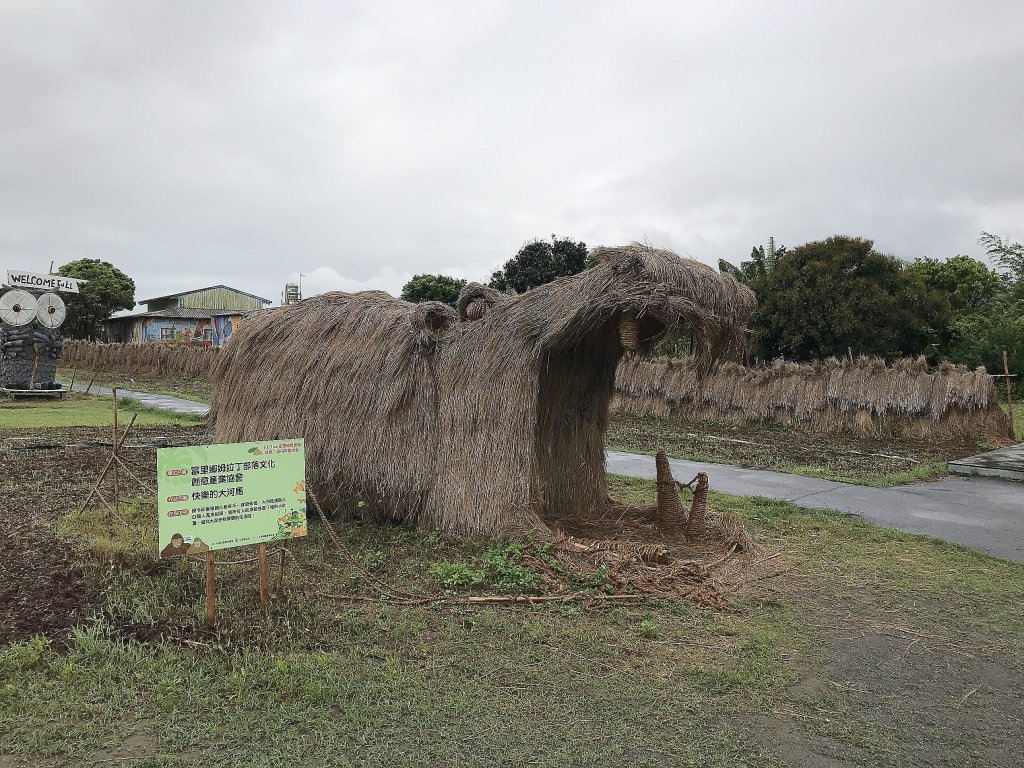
(670, 509)
(699, 507)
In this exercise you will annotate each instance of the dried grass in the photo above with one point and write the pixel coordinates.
(864, 396)
(152, 359)
(493, 426)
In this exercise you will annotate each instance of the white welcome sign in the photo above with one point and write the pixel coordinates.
(37, 282)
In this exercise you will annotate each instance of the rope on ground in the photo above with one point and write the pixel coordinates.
(392, 593)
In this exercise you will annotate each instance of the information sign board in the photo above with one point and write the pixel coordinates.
(219, 496)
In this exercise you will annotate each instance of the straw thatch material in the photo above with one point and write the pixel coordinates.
(864, 396)
(152, 359)
(478, 427)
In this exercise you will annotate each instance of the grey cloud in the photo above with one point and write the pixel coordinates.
(197, 143)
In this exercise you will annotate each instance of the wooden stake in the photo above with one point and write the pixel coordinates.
(73, 372)
(113, 448)
(211, 591)
(1009, 397)
(548, 598)
(264, 576)
(95, 366)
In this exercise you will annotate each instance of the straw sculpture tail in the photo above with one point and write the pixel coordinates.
(488, 420)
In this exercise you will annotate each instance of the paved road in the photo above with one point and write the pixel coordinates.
(979, 512)
(166, 402)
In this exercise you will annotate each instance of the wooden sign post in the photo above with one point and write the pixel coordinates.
(264, 576)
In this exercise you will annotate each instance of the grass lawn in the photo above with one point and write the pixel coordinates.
(81, 410)
(878, 649)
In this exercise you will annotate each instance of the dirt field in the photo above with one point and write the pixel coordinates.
(42, 587)
(876, 648)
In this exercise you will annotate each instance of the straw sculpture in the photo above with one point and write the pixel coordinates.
(483, 421)
(864, 396)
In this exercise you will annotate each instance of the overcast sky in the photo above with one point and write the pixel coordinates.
(194, 143)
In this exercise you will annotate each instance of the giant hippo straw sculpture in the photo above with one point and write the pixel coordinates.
(489, 421)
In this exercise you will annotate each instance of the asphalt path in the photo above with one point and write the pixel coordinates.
(979, 512)
(166, 402)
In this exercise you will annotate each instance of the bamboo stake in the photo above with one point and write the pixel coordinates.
(1009, 397)
(95, 367)
(113, 442)
(211, 591)
(264, 576)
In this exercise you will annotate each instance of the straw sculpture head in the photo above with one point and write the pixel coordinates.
(487, 421)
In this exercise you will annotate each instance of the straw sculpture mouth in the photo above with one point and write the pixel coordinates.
(487, 420)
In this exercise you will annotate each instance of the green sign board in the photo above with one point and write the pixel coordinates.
(220, 496)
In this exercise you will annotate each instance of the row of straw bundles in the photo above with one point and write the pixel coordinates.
(864, 395)
(153, 359)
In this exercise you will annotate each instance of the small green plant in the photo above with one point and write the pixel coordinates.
(649, 629)
(500, 569)
(600, 580)
(505, 571)
(373, 560)
(456, 575)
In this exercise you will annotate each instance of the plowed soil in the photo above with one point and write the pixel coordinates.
(46, 473)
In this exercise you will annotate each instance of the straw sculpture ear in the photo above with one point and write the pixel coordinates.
(433, 319)
(476, 300)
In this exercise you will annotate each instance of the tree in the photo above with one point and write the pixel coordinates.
(108, 290)
(832, 295)
(1007, 254)
(539, 262)
(433, 288)
(761, 263)
(968, 284)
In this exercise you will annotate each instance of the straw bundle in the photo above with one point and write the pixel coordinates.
(485, 426)
(864, 396)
